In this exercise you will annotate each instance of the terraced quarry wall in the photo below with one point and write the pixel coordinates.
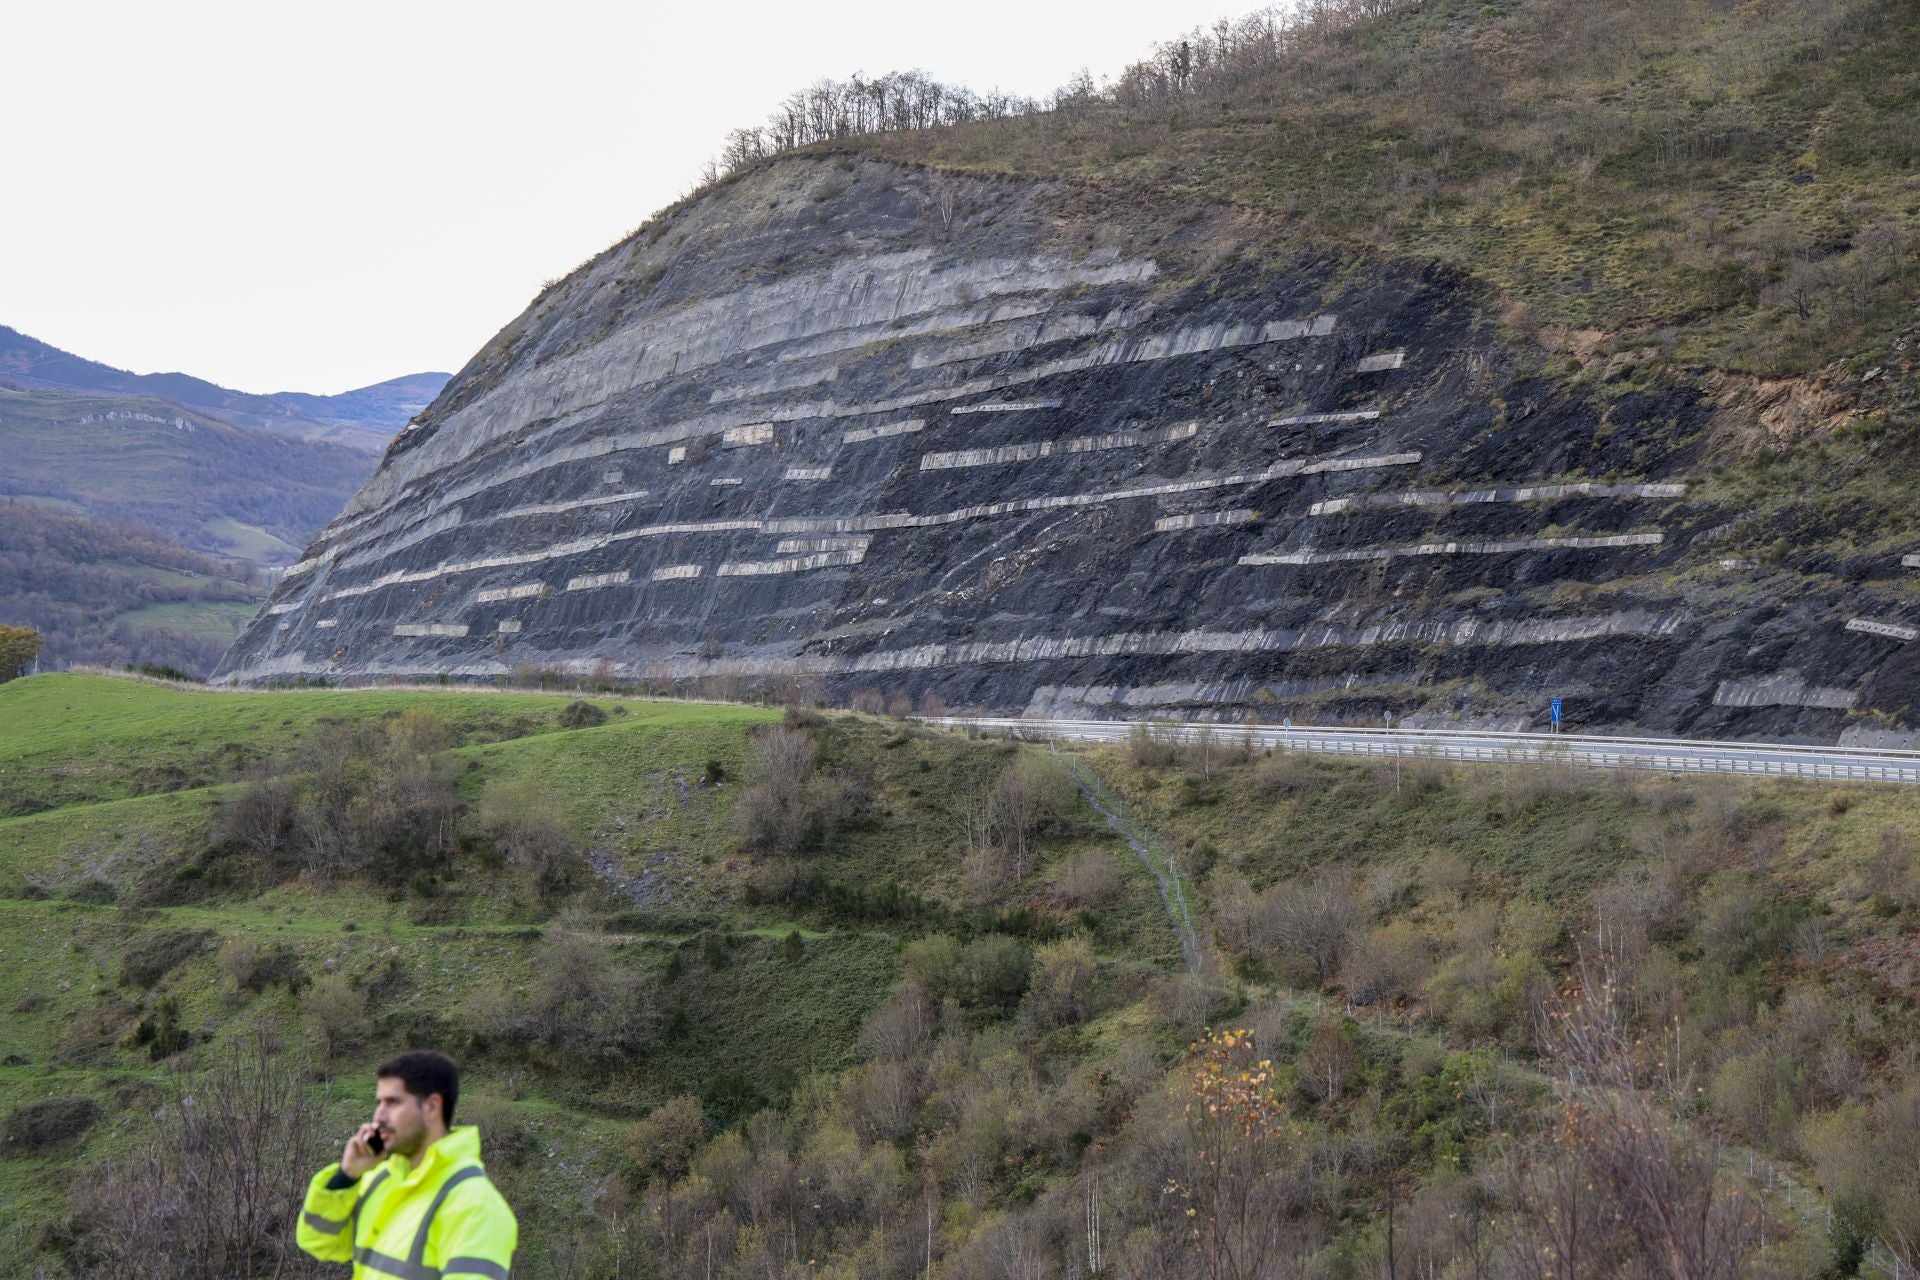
(1013, 445)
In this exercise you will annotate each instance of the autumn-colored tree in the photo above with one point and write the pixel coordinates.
(1239, 1185)
(19, 646)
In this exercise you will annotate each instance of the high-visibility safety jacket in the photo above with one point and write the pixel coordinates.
(439, 1219)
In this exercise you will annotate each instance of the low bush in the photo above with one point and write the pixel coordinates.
(36, 1128)
(157, 954)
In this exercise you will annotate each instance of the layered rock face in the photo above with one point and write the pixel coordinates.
(1009, 446)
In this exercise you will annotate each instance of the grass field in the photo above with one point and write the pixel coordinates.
(249, 542)
(213, 619)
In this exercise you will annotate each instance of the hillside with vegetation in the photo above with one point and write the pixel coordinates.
(743, 992)
(113, 593)
(221, 489)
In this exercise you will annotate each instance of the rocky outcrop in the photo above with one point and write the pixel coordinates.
(1009, 446)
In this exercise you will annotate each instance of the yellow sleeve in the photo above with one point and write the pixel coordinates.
(476, 1234)
(325, 1229)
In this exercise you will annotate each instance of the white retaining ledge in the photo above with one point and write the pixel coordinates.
(1205, 520)
(307, 566)
(285, 606)
(806, 546)
(1457, 633)
(1891, 630)
(1782, 689)
(949, 321)
(798, 564)
(1006, 406)
(326, 624)
(431, 629)
(1909, 562)
(676, 455)
(612, 477)
(752, 433)
(722, 481)
(1456, 549)
(674, 573)
(1051, 329)
(509, 626)
(1522, 493)
(875, 523)
(860, 435)
(1382, 362)
(1048, 448)
(525, 591)
(572, 504)
(808, 473)
(1325, 419)
(590, 581)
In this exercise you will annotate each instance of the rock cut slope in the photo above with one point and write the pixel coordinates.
(1017, 444)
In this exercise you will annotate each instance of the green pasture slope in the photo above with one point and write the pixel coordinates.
(112, 783)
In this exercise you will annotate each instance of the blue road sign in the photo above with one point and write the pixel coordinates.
(1556, 711)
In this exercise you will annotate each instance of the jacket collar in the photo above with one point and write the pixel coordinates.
(462, 1144)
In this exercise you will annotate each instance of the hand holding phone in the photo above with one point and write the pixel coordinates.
(363, 1151)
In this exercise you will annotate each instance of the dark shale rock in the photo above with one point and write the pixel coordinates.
(1006, 444)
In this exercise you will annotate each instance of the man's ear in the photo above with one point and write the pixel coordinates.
(432, 1106)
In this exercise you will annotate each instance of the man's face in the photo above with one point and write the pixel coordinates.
(401, 1116)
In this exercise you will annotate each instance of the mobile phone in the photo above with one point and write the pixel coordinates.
(376, 1143)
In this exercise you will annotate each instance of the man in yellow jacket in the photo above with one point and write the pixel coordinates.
(428, 1213)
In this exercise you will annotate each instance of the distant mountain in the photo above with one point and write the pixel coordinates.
(220, 489)
(364, 419)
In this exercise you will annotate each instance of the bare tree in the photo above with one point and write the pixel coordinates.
(1620, 1185)
(213, 1188)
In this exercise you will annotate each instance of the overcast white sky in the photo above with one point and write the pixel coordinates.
(315, 196)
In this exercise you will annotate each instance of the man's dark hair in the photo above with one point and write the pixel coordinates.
(423, 1072)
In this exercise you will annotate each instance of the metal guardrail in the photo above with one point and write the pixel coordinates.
(1670, 755)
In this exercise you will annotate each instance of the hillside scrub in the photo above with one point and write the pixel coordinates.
(1464, 1000)
(71, 578)
(377, 799)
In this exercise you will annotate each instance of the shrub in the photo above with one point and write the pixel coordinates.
(204, 1191)
(662, 1146)
(774, 814)
(36, 1128)
(524, 823)
(334, 1013)
(995, 971)
(93, 890)
(1392, 963)
(1285, 773)
(160, 1032)
(1092, 879)
(581, 715)
(1328, 1060)
(158, 954)
(1062, 980)
(581, 1004)
(1303, 926)
(237, 959)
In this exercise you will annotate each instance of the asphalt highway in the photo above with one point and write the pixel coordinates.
(1669, 755)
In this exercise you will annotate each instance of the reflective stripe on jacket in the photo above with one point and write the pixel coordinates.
(438, 1220)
